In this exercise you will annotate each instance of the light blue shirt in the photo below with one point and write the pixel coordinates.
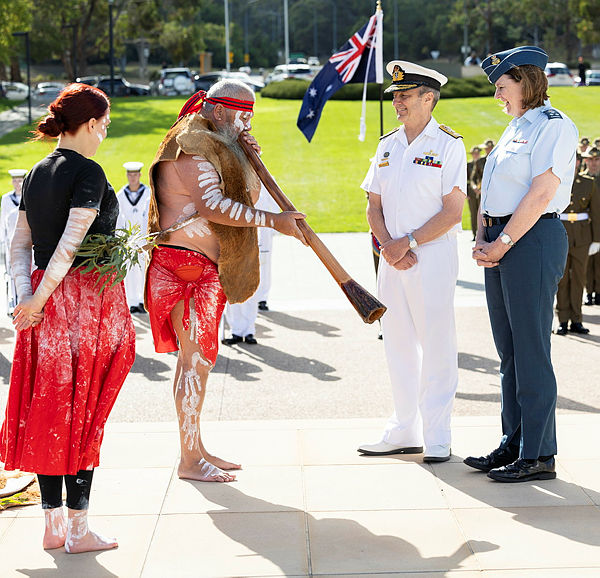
(530, 145)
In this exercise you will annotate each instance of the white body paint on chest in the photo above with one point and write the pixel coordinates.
(199, 227)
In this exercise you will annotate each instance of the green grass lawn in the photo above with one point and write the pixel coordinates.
(321, 178)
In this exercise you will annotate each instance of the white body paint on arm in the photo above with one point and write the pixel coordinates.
(78, 223)
(20, 257)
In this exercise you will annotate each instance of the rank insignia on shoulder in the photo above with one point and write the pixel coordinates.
(552, 113)
(449, 131)
(384, 163)
(389, 133)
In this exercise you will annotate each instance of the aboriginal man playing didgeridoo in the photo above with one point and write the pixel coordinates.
(200, 168)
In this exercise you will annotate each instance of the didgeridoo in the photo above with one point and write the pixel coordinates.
(368, 307)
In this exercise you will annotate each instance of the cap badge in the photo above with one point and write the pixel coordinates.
(495, 60)
(397, 74)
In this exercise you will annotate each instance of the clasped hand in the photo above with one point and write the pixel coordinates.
(28, 313)
(489, 254)
(397, 254)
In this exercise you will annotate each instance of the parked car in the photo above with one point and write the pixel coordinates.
(592, 77)
(48, 90)
(91, 80)
(15, 90)
(122, 87)
(283, 71)
(558, 74)
(173, 81)
(205, 81)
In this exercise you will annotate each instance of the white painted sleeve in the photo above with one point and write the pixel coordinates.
(20, 257)
(78, 223)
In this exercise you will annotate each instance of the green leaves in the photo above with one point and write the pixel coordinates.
(112, 256)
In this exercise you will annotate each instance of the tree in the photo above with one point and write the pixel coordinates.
(16, 17)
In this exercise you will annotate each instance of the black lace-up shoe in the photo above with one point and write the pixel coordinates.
(577, 327)
(561, 329)
(524, 471)
(232, 340)
(498, 458)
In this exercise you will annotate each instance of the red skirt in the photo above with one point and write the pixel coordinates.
(65, 378)
(177, 274)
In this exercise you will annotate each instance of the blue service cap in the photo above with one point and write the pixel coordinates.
(498, 64)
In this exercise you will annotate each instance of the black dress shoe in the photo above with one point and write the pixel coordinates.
(232, 340)
(498, 458)
(562, 329)
(578, 328)
(525, 470)
(141, 308)
(597, 298)
(250, 339)
(262, 306)
(589, 299)
(134, 309)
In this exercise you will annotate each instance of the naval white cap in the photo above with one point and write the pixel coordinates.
(17, 172)
(133, 167)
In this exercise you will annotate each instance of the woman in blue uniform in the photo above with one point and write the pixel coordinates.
(523, 246)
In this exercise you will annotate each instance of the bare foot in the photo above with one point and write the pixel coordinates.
(81, 539)
(222, 464)
(55, 530)
(203, 471)
(90, 542)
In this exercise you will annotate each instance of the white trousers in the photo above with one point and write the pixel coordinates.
(265, 247)
(134, 285)
(419, 336)
(241, 317)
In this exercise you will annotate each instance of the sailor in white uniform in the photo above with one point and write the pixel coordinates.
(134, 201)
(417, 187)
(9, 211)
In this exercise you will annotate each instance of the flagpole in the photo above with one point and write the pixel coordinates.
(379, 9)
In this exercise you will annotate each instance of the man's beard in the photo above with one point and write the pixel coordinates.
(228, 135)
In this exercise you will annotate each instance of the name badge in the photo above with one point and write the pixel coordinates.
(384, 164)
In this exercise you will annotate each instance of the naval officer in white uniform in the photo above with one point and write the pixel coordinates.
(9, 211)
(134, 201)
(417, 187)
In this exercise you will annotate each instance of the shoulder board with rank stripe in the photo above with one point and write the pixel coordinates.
(552, 113)
(389, 133)
(449, 131)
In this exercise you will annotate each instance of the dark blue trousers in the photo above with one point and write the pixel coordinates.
(520, 295)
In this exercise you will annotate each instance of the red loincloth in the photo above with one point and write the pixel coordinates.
(65, 378)
(178, 274)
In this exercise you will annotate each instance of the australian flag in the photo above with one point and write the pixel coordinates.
(359, 60)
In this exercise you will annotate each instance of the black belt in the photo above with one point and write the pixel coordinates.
(490, 221)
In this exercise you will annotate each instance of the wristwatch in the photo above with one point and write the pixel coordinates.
(412, 242)
(505, 238)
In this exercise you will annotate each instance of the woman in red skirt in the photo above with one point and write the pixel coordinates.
(74, 346)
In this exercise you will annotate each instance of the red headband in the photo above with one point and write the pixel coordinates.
(196, 101)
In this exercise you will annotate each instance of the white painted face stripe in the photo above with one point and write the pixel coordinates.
(249, 215)
(239, 211)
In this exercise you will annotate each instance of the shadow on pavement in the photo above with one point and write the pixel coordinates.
(346, 538)
(149, 367)
(69, 565)
(300, 324)
(240, 369)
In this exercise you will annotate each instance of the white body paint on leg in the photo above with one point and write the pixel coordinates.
(77, 528)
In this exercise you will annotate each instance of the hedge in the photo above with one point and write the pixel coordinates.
(295, 88)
